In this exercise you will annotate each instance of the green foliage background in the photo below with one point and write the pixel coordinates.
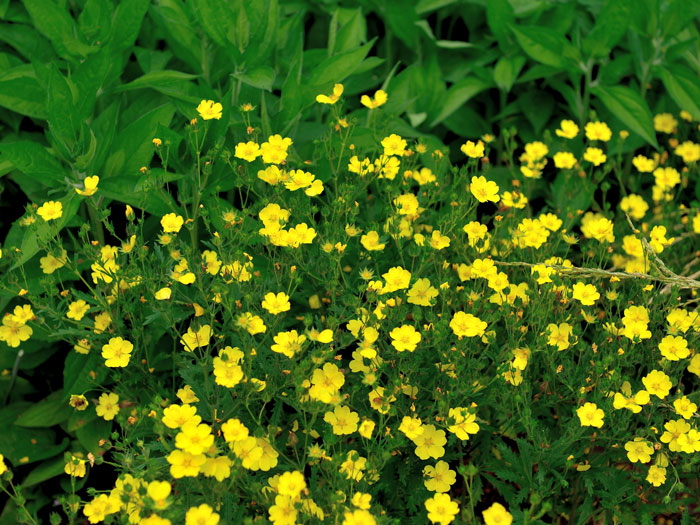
(85, 86)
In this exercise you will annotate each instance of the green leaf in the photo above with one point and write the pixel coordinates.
(611, 24)
(353, 30)
(58, 26)
(133, 146)
(171, 83)
(45, 413)
(499, 16)
(21, 93)
(458, 94)
(28, 42)
(179, 32)
(507, 70)
(63, 117)
(544, 45)
(91, 433)
(28, 241)
(46, 470)
(400, 16)
(78, 369)
(261, 77)
(33, 161)
(126, 23)
(630, 108)
(677, 14)
(218, 19)
(682, 85)
(336, 68)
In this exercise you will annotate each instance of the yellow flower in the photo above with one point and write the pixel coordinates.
(497, 514)
(665, 123)
(202, 515)
(184, 464)
(405, 337)
(342, 419)
(163, 294)
(75, 467)
(483, 190)
(117, 352)
(639, 450)
(564, 160)
(370, 241)
(77, 309)
(467, 325)
(50, 210)
(380, 98)
(291, 484)
(394, 145)
(657, 383)
(248, 151)
(440, 477)
(107, 406)
(590, 415)
(276, 304)
(407, 204)
(587, 294)
(196, 338)
(567, 129)
(430, 443)
(441, 509)
(674, 348)
(656, 475)
(172, 223)
(595, 156)
(598, 131)
(79, 402)
(333, 97)
(89, 185)
(643, 164)
(3, 466)
(473, 150)
(208, 109)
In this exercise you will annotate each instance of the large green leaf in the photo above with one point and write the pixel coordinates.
(683, 86)
(630, 108)
(260, 77)
(499, 15)
(47, 413)
(133, 146)
(171, 83)
(21, 92)
(33, 161)
(58, 26)
(544, 45)
(27, 41)
(338, 67)
(126, 23)
(46, 470)
(78, 370)
(63, 118)
(458, 94)
(611, 24)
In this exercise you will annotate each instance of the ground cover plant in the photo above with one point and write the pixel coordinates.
(337, 263)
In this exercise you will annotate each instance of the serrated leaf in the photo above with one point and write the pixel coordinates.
(630, 108)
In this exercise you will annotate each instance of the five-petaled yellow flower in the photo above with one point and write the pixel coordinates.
(208, 109)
